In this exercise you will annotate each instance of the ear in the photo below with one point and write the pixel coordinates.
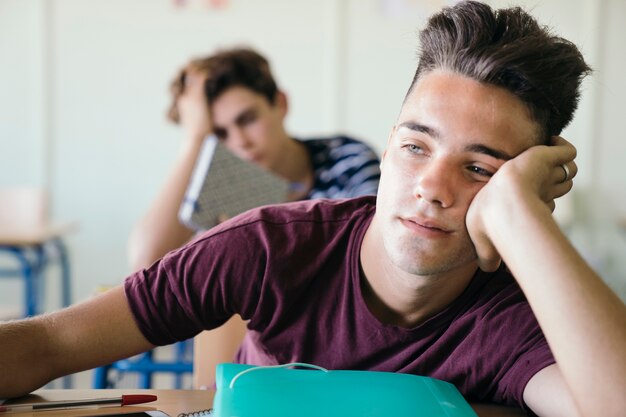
(389, 139)
(391, 134)
(281, 103)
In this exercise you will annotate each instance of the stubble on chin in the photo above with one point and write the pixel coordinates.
(414, 257)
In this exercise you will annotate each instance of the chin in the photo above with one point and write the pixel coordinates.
(423, 268)
(417, 261)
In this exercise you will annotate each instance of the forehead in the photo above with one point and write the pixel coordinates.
(235, 100)
(463, 109)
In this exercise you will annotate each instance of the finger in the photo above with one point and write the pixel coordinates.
(573, 169)
(560, 174)
(560, 141)
(564, 172)
(489, 265)
(562, 151)
(557, 191)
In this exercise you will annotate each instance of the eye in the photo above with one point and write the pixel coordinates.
(413, 148)
(247, 118)
(220, 133)
(480, 171)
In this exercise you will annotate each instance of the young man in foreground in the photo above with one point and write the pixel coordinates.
(412, 281)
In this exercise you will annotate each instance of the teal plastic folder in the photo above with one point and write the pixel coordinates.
(282, 391)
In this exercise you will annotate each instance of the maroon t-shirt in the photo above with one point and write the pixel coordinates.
(293, 271)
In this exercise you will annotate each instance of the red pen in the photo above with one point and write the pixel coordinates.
(91, 403)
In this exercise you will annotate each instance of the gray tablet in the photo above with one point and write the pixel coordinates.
(224, 185)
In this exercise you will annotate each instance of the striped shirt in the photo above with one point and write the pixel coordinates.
(342, 167)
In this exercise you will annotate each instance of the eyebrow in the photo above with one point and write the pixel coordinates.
(250, 111)
(478, 148)
(474, 147)
(418, 127)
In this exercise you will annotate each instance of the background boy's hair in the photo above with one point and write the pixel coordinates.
(227, 68)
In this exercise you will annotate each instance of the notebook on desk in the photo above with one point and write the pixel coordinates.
(224, 185)
(251, 391)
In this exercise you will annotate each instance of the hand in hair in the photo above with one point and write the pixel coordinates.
(192, 105)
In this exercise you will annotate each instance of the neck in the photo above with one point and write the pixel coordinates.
(400, 298)
(296, 167)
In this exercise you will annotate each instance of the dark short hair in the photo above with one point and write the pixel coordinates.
(507, 48)
(225, 69)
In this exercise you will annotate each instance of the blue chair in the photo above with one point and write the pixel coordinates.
(146, 365)
(29, 238)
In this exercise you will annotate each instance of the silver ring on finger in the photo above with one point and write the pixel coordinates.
(566, 171)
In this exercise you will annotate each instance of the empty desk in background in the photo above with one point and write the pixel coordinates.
(33, 251)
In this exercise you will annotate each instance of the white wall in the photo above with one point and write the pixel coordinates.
(22, 141)
(83, 91)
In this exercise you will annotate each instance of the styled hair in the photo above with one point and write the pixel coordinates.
(509, 49)
(225, 69)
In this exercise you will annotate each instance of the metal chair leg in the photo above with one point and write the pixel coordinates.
(100, 377)
(30, 284)
(145, 377)
(145, 367)
(66, 296)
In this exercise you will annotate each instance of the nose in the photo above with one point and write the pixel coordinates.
(238, 138)
(435, 183)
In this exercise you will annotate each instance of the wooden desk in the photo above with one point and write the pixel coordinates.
(171, 402)
(35, 235)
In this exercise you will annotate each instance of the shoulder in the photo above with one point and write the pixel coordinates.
(269, 244)
(343, 167)
(298, 218)
(338, 146)
(319, 210)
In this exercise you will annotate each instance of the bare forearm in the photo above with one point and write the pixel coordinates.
(160, 231)
(23, 366)
(583, 320)
(83, 336)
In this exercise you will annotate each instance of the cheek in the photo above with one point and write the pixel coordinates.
(396, 182)
(398, 174)
(465, 196)
(255, 135)
(470, 191)
(261, 132)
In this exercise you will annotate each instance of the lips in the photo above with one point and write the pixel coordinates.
(425, 224)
